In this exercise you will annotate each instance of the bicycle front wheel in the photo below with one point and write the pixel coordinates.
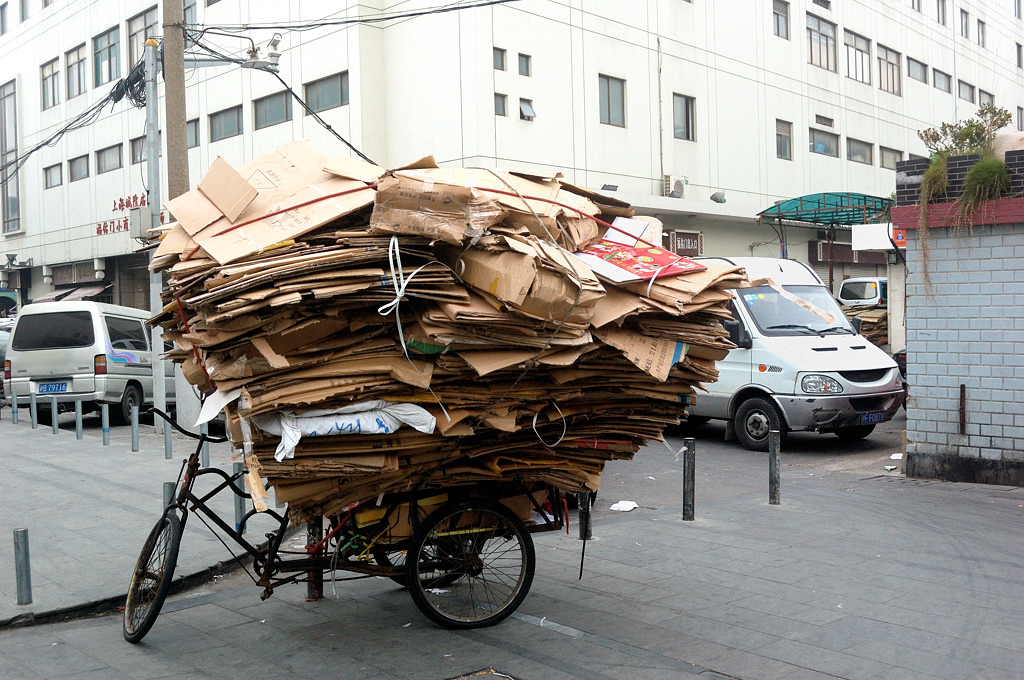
(471, 564)
(151, 579)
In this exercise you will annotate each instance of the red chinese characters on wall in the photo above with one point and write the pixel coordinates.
(121, 204)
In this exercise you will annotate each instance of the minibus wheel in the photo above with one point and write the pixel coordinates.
(755, 418)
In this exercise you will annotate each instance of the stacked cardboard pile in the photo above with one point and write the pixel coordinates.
(440, 326)
(874, 321)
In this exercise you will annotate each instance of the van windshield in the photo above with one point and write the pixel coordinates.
(53, 331)
(777, 314)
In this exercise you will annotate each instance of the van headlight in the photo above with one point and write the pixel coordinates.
(820, 384)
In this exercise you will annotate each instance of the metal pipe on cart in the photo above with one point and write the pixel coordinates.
(774, 441)
(22, 566)
(33, 411)
(134, 409)
(204, 453)
(689, 467)
(78, 419)
(105, 423)
(238, 469)
(53, 415)
(168, 493)
(583, 502)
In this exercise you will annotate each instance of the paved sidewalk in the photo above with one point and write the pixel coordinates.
(859, 573)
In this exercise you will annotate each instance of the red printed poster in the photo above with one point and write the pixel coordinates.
(623, 255)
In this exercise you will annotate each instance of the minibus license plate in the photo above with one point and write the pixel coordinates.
(870, 418)
(51, 388)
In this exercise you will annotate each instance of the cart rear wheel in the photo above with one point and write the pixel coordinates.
(471, 564)
(151, 579)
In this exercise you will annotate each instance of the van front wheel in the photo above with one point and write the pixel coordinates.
(132, 397)
(755, 418)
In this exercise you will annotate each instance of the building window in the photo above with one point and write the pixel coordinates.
(51, 83)
(940, 11)
(108, 159)
(824, 143)
(986, 98)
(965, 91)
(915, 5)
(783, 140)
(226, 123)
(188, 12)
(526, 109)
(3, 18)
(53, 176)
(889, 76)
(942, 81)
(1020, 55)
(965, 23)
(9, 194)
(917, 70)
(1016, 8)
(271, 110)
(821, 36)
(780, 18)
(981, 33)
(500, 104)
(192, 133)
(827, 4)
(140, 27)
(26, 9)
(74, 68)
(858, 57)
(1020, 118)
(683, 116)
(612, 100)
(78, 168)
(858, 151)
(327, 93)
(525, 65)
(824, 120)
(499, 59)
(889, 157)
(106, 57)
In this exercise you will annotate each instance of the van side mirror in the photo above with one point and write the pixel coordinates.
(856, 322)
(738, 334)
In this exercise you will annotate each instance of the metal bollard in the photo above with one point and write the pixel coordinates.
(204, 452)
(105, 423)
(14, 409)
(33, 411)
(689, 468)
(774, 442)
(22, 566)
(53, 415)
(583, 501)
(78, 419)
(135, 428)
(168, 493)
(236, 468)
(168, 445)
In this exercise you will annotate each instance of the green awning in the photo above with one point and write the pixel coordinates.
(834, 207)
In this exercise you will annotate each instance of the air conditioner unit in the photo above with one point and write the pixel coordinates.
(674, 186)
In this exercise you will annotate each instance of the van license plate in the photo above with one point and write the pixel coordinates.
(871, 418)
(51, 388)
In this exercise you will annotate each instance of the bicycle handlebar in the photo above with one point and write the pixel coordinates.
(170, 421)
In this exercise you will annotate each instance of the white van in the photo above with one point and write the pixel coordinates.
(869, 290)
(799, 364)
(83, 351)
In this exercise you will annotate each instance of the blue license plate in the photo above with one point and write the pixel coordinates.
(51, 388)
(871, 418)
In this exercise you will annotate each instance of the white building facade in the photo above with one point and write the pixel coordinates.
(675, 105)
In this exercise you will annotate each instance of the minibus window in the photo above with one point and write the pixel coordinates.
(55, 330)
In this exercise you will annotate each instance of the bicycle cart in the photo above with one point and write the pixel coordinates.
(465, 553)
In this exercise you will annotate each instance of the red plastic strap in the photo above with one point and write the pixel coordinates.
(195, 350)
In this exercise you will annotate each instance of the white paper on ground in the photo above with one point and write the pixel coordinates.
(623, 506)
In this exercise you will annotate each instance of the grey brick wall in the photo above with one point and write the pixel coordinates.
(966, 328)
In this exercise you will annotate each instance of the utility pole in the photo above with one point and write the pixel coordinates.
(175, 116)
(153, 183)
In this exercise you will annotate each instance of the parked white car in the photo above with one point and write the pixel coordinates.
(871, 290)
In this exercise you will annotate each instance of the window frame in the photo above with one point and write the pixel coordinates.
(313, 97)
(858, 57)
(941, 15)
(109, 65)
(503, 100)
(883, 152)
(983, 96)
(47, 184)
(812, 139)
(217, 116)
(83, 162)
(605, 100)
(981, 36)
(783, 131)
(924, 68)
(687, 106)
(821, 43)
(263, 103)
(890, 77)
(525, 60)
(79, 68)
(50, 84)
(947, 79)
(499, 58)
(1020, 118)
(10, 191)
(863, 146)
(192, 129)
(780, 18)
(143, 25)
(960, 85)
(105, 154)
(965, 24)
(526, 110)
